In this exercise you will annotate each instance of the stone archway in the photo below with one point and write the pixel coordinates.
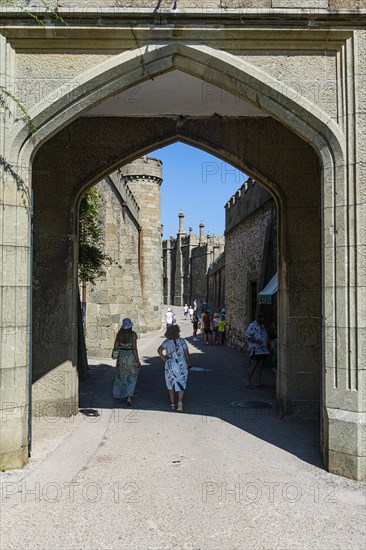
(300, 116)
(74, 159)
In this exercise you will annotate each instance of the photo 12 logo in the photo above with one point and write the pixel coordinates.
(270, 491)
(222, 171)
(73, 491)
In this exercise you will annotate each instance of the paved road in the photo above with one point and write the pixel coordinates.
(218, 476)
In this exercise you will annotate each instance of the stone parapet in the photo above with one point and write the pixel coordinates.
(144, 168)
(182, 7)
(246, 200)
(218, 264)
(126, 194)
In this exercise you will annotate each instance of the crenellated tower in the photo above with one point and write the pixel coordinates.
(144, 178)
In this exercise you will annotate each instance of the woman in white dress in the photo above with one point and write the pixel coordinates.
(177, 362)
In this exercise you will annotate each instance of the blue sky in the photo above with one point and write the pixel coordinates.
(199, 184)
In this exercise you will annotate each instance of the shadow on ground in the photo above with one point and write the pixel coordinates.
(215, 390)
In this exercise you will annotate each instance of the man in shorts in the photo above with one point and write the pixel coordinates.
(185, 311)
(257, 337)
(206, 320)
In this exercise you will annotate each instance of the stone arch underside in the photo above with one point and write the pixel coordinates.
(89, 148)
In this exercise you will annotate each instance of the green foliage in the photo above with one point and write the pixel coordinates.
(22, 5)
(26, 117)
(91, 256)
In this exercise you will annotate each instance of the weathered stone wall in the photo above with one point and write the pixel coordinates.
(199, 273)
(216, 284)
(211, 6)
(173, 271)
(249, 230)
(116, 294)
(167, 272)
(189, 257)
(186, 252)
(144, 177)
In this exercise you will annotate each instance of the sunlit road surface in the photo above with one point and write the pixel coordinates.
(224, 474)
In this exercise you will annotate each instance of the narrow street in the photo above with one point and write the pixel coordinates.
(227, 473)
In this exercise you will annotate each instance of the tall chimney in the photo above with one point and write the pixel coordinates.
(202, 232)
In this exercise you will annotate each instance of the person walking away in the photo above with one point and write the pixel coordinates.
(206, 320)
(185, 311)
(195, 321)
(202, 328)
(191, 311)
(221, 328)
(215, 328)
(128, 362)
(174, 352)
(170, 317)
(256, 335)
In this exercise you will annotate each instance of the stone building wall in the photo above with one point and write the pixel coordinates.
(216, 284)
(118, 293)
(187, 281)
(199, 273)
(131, 285)
(250, 257)
(144, 177)
(186, 260)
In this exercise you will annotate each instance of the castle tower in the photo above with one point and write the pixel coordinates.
(144, 177)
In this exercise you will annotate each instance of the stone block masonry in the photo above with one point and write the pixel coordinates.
(144, 177)
(132, 282)
(250, 253)
(117, 293)
(186, 260)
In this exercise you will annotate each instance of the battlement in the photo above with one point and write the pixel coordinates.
(192, 239)
(126, 194)
(248, 198)
(215, 240)
(143, 168)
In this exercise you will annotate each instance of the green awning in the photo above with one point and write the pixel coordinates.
(265, 296)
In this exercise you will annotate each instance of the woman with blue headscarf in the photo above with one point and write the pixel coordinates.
(128, 362)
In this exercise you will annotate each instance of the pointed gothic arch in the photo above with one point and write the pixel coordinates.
(216, 67)
(233, 74)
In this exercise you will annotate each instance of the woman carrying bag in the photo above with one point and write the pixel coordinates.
(128, 362)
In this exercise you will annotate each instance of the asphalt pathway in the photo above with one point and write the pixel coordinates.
(226, 473)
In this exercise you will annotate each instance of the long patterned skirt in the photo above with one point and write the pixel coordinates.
(127, 373)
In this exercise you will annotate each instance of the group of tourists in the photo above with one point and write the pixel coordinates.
(212, 327)
(175, 354)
